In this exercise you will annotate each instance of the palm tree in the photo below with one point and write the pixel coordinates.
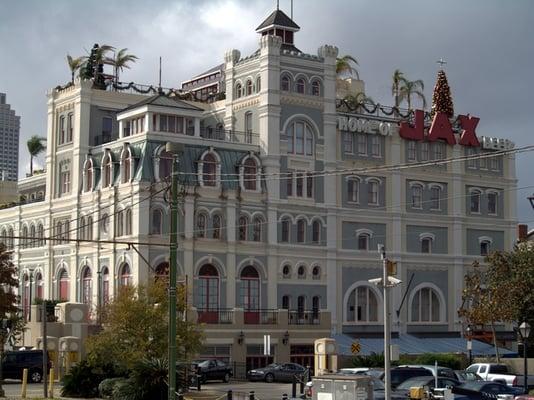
(35, 146)
(121, 61)
(74, 65)
(344, 66)
(412, 88)
(355, 101)
(398, 78)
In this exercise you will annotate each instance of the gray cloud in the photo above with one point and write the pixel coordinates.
(487, 43)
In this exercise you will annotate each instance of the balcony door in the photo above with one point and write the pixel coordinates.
(208, 306)
(250, 294)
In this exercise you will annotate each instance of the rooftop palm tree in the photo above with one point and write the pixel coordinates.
(120, 61)
(412, 88)
(398, 78)
(355, 101)
(35, 147)
(74, 65)
(344, 66)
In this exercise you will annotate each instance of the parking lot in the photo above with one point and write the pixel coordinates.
(241, 389)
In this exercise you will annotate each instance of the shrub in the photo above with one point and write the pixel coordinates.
(444, 360)
(83, 379)
(374, 360)
(105, 388)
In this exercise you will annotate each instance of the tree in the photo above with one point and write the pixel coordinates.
(35, 147)
(355, 101)
(412, 88)
(94, 67)
(75, 64)
(398, 79)
(120, 61)
(12, 322)
(135, 326)
(344, 66)
(442, 98)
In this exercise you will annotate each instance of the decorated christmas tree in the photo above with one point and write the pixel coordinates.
(442, 99)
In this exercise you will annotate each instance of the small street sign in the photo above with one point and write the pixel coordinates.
(355, 348)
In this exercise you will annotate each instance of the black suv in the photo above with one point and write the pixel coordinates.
(400, 374)
(15, 361)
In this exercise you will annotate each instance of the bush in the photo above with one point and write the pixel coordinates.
(83, 379)
(105, 388)
(374, 360)
(147, 381)
(444, 360)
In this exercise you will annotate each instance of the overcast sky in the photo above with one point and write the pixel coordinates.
(488, 46)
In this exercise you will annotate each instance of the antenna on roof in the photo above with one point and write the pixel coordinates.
(291, 9)
(277, 4)
(160, 90)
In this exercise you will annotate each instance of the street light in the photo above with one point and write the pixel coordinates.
(387, 282)
(524, 330)
(469, 332)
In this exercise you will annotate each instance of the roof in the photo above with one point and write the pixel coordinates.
(278, 18)
(163, 101)
(409, 344)
(210, 71)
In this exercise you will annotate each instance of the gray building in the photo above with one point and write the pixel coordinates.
(9, 141)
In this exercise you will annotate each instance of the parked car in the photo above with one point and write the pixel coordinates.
(378, 387)
(403, 390)
(211, 370)
(400, 374)
(476, 390)
(374, 372)
(465, 376)
(442, 371)
(16, 361)
(276, 372)
(493, 372)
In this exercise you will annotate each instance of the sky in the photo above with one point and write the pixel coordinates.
(488, 46)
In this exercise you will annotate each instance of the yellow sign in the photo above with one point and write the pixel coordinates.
(355, 348)
(392, 268)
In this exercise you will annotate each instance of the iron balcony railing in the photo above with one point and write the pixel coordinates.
(227, 135)
(215, 316)
(260, 317)
(303, 317)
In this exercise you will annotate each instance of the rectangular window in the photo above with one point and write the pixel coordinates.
(126, 128)
(107, 126)
(417, 196)
(495, 163)
(299, 138)
(62, 129)
(348, 142)
(65, 182)
(300, 184)
(376, 149)
(309, 185)
(475, 202)
(435, 195)
(352, 189)
(424, 151)
(412, 156)
(438, 150)
(289, 184)
(471, 162)
(172, 124)
(373, 193)
(362, 144)
(290, 142)
(492, 203)
(483, 163)
(70, 127)
(163, 123)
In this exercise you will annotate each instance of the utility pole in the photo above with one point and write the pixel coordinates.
(173, 148)
(44, 320)
(387, 334)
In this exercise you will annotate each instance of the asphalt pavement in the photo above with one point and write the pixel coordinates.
(242, 389)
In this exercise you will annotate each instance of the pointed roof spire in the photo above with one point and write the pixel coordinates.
(278, 19)
(442, 98)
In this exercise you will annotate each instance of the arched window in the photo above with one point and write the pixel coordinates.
(105, 285)
(40, 235)
(119, 225)
(209, 170)
(425, 306)
(202, 222)
(249, 87)
(104, 223)
(26, 297)
(362, 305)
(364, 240)
(256, 233)
(316, 306)
(258, 84)
(164, 165)
(126, 165)
(475, 201)
(63, 292)
(216, 226)
(301, 306)
(125, 275)
(157, 222)
(208, 294)
(250, 293)
(316, 88)
(353, 190)
(286, 227)
(24, 235)
(4, 239)
(285, 83)
(248, 127)
(300, 139)
(250, 171)
(62, 132)
(70, 126)
(316, 232)
(39, 286)
(89, 228)
(286, 271)
(162, 272)
(372, 193)
(81, 228)
(11, 240)
(301, 86)
(485, 246)
(301, 231)
(435, 198)
(316, 272)
(88, 175)
(87, 286)
(301, 272)
(243, 225)
(128, 222)
(426, 245)
(106, 171)
(286, 301)
(492, 203)
(417, 196)
(33, 236)
(238, 91)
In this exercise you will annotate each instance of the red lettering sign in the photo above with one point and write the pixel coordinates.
(441, 129)
(468, 136)
(416, 132)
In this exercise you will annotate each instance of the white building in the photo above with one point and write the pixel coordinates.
(263, 228)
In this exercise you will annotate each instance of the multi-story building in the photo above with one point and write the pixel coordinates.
(9, 141)
(285, 195)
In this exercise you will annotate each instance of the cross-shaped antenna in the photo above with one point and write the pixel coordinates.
(277, 4)
(441, 62)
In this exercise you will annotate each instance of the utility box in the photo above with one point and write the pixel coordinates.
(342, 387)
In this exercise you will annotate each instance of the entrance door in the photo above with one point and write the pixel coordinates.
(250, 295)
(208, 307)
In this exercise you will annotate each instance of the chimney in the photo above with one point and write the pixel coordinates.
(522, 231)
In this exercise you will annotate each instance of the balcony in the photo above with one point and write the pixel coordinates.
(227, 135)
(260, 317)
(217, 316)
(303, 317)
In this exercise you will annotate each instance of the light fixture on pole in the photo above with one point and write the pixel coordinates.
(386, 282)
(469, 334)
(524, 331)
